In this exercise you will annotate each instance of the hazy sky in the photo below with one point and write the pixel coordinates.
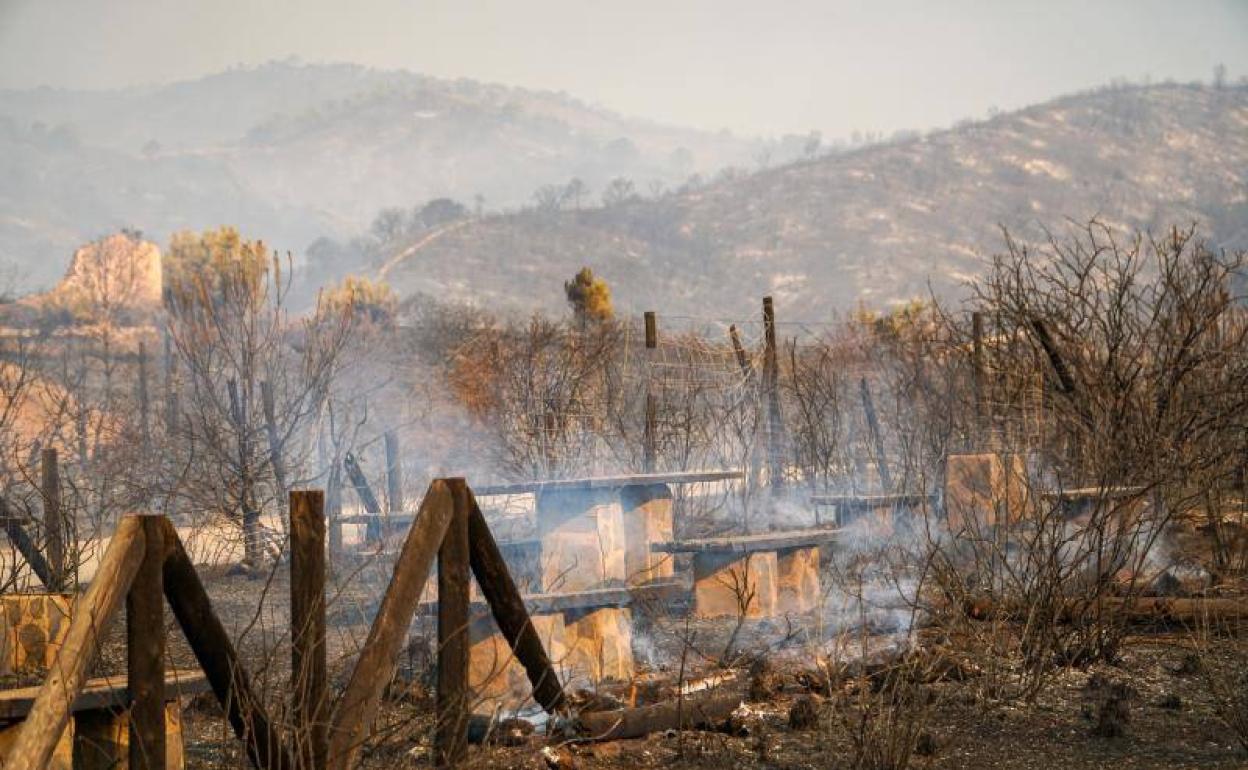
(748, 65)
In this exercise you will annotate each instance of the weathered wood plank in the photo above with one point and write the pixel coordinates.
(145, 652)
(543, 604)
(100, 693)
(874, 501)
(609, 482)
(450, 738)
(358, 705)
(308, 655)
(764, 541)
(53, 519)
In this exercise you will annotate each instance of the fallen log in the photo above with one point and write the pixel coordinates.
(708, 709)
(1142, 610)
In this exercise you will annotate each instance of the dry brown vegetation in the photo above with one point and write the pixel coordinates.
(1109, 368)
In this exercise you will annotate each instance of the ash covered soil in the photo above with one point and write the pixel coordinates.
(955, 699)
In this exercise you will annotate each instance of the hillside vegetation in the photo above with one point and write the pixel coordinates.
(292, 152)
(875, 225)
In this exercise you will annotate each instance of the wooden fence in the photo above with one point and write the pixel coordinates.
(145, 558)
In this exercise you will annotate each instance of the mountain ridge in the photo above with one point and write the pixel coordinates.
(291, 152)
(876, 225)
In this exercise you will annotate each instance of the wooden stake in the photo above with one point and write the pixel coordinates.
(53, 521)
(451, 738)
(49, 714)
(877, 438)
(509, 611)
(977, 369)
(307, 627)
(145, 652)
(275, 444)
(218, 658)
(394, 477)
(394, 472)
(739, 350)
(771, 380)
(358, 706)
(649, 434)
(144, 405)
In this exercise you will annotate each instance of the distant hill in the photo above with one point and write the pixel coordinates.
(874, 225)
(290, 152)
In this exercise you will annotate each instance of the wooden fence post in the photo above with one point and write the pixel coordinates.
(977, 372)
(450, 740)
(394, 473)
(49, 714)
(873, 426)
(53, 520)
(218, 658)
(358, 705)
(739, 351)
(275, 442)
(145, 651)
(771, 381)
(307, 628)
(145, 420)
(649, 436)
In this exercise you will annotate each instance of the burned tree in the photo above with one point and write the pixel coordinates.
(252, 378)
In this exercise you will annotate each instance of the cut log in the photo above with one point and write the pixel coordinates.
(1187, 611)
(705, 710)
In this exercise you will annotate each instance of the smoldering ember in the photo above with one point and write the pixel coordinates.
(357, 418)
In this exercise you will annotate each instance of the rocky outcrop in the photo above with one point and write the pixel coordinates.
(118, 273)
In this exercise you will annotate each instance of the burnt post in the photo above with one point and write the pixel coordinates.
(739, 351)
(394, 474)
(771, 382)
(53, 518)
(145, 651)
(171, 391)
(307, 628)
(877, 438)
(327, 457)
(144, 403)
(450, 740)
(372, 531)
(649, 436)
(275, 444)
(977, 370)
